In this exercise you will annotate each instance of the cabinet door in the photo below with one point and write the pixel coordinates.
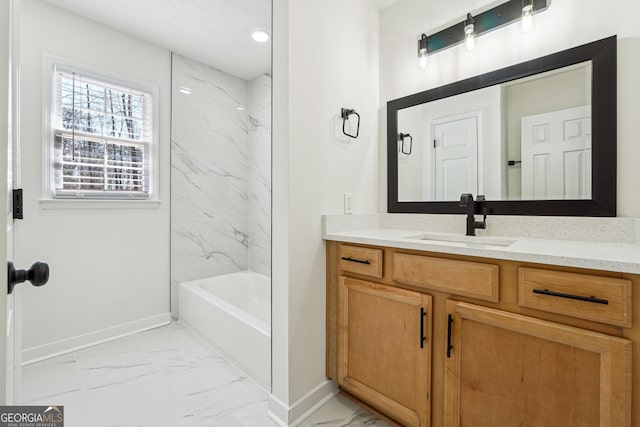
(384, 355)
(505, 369)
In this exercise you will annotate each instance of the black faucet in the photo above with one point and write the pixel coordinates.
(466, 201)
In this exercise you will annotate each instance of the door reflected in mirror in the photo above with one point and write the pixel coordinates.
(526, 139)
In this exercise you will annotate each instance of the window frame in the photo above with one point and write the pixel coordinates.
(51, 64)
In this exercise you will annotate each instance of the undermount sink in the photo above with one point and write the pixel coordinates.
(467, 240)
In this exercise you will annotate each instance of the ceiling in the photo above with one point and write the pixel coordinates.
(214, 32)
(381, 4)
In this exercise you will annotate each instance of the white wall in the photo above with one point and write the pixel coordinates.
(109, 266)
(325, 58)
(564, 24)
(279, 401)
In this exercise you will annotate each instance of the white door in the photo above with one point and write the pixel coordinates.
(10, 149)
(7, 324)
(556, 155)
(455, 157)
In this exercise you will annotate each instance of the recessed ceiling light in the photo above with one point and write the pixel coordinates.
(260, 36)
(185, 90)
(240, 107)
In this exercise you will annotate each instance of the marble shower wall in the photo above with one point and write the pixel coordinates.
(259, 110)
(220, 173)
(209, 173)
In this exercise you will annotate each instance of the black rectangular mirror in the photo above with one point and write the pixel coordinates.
(536, 138)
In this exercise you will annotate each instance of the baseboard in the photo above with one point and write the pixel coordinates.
(278, 411)
(294, 415)
(68, 345)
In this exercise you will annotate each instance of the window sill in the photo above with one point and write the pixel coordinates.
(98, 204)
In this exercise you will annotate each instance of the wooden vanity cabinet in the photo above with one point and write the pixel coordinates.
(506, 343)
(505, 369)
(384, 342)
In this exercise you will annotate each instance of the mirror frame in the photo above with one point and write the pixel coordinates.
(603, 57)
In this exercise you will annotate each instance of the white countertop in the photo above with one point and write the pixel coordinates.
(610, 256)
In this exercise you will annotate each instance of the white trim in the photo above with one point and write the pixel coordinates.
(49, 63)
(6, 377)
(16, 96)
(98, 204)
(68, 345)
(278, 411)
(301, 409)
(13, 151)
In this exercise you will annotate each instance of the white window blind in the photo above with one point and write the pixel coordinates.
(102, 139)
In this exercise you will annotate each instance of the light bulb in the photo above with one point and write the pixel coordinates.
(422, 58)
(469, 38)
(260, 36)
(528, 20)
(469, 33)
(422, 51)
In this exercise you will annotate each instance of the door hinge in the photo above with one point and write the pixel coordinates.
(17, 204)
(434, 143)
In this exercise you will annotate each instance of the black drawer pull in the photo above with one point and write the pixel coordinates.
(570, 296)
(359, 261)
(449, 346)
(423, 313)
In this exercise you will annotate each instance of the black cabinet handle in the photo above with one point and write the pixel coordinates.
(449, 324)
(359, 261)
(570, 296)
(423, 313)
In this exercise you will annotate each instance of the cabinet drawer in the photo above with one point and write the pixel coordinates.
(472, 279)
(359, 260)
(596, 298)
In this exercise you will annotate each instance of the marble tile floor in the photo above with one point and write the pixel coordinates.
(165, 377)
(342, 412)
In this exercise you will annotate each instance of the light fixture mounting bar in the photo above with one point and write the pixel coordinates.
(491, 19)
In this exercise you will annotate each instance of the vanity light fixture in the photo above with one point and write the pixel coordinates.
(475, 25)
(469, 33)
(422, 51)
(527, 19)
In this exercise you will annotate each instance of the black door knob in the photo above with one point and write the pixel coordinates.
(38, 275)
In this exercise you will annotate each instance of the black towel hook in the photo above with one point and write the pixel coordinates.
(402, 137)
(345, 113)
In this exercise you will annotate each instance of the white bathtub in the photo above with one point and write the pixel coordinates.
(233, 312)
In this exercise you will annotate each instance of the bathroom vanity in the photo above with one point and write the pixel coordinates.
(430, 327)
(485, 332)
